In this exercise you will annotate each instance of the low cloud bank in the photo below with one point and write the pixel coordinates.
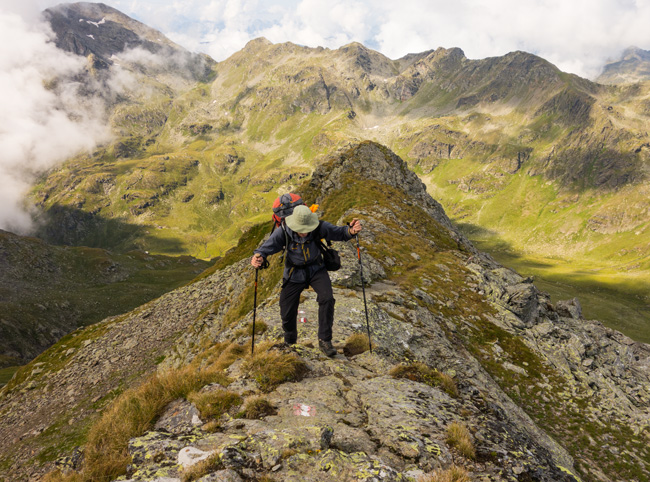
(44, 120)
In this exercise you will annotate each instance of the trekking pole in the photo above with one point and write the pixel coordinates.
(257, 270)
(363, 287)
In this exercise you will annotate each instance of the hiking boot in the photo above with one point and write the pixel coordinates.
(327, 348)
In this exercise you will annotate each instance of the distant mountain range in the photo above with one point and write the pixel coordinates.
(549, 162)
(633, 66)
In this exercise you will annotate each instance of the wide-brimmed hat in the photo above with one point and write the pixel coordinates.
(302, 220)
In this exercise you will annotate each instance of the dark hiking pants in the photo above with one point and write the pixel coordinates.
(290, 299)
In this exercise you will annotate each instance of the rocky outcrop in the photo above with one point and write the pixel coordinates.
(102, 33)
(633, 66)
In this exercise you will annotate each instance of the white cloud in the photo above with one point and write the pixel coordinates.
(42, 122)
(578, 35)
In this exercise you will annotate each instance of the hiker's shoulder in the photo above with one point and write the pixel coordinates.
(326, 224)
(277, 235)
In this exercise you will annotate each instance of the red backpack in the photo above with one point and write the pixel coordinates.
(283, 207)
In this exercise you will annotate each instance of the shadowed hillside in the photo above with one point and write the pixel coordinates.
(47, 291)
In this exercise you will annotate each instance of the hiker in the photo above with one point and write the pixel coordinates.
(304, 267)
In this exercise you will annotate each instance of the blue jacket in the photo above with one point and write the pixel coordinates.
(302, 251)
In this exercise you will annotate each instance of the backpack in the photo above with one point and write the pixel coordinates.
(331, 257)
(283, 207)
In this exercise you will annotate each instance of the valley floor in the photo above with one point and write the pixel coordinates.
(618, 306)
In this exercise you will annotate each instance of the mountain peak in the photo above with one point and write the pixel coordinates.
(94, 28)
(633, 66)
(354, 46)
(635, 53)
(258, 43)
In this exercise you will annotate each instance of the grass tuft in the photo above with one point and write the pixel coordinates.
(58, 476)
(419, 372)
(271, 368)
(220, 356)
(214, 404)
(260, 327)
(205, 467)
(452, 474)
(356, 344)
(458, 436)
(135, 411)
(257, 407)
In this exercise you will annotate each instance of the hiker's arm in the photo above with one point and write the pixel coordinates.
(273, 245)
(337, 233)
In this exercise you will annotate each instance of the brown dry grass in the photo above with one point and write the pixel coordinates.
(356, 344)
(458, 436)
(452, 474)
(58, 476)
(214, 404)
(420, 372)
(270, 368)
(198, 470)
(257, 407)
(137, 409)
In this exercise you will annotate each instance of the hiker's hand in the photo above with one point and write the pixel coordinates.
(257, 260)
(355, 227)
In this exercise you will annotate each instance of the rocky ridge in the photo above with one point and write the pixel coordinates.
(547, 395)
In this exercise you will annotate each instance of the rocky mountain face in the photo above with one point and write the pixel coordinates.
(472, 371)
(633, 66)
(102, 34)
(47, 291)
